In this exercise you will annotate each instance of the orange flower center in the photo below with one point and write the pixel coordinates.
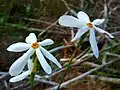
(90, 25)
(35, 45)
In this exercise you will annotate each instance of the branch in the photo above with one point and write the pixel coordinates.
(46, 81)
(6, 85)
(33, 29)
(93, 65)
(53, 24)
(39, 21)
(69, 9)
(2, 73)
(106, 79)
(59, 48)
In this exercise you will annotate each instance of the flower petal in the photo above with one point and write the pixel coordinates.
(20, 77)
(50, 57)
(30, 65)
(93, 43)
(102, 31)
(43, 62)
(46, 42)
(18, 66)
(18, 47)
(98, 21)
(69, 21)
(29, 53)
(80, 33)
(31, 38)
(83, 17)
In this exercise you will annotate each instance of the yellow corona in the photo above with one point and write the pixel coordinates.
(35, 45)
(90, 25)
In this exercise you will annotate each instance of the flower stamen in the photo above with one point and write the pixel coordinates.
(35, 45)
(90, 25)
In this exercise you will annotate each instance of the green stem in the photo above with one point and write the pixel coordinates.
(72, 57)
(32, 80)
(33, 73)
(68, 68)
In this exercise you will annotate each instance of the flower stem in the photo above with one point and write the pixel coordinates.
(32, 80)
(68, 67)
(33, 73)
(72, 57)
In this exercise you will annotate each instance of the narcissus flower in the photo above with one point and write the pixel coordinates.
(23, 75)
(33, 47)
(83, 23)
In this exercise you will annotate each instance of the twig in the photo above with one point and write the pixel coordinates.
(46, 82)
(53, 24)
(109, 3)
(59, 48)
(23, 27)
(69, 9)
(20, 86)
(3, 73)
(113, 54)
(104, 58)
(3, 76)
(84, 52)
(6, 85)
(39, 21)
(42, 79)
(106, 79)
(106, 69)
(105, 15)
(82, 4)
(33, 29)
(83, 75)
(72, 33)
(48, 28)
(118, 44)
(93, 65)
(114, 9)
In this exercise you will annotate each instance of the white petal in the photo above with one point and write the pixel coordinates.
(102, 31)
(83, 17)
(43, 62)
(98, 21)
(93, 43)
(31, 38)
(30, 65)
(29, 53)
(69, 21)
(18, 47)
(20, 77)
(17, 67)
(50, 57)
(46, 42)
(80, 33)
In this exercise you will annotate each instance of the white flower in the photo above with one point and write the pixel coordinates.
(84, 24)
(24, 74)
(33, 47)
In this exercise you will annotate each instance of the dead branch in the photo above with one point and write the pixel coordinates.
(69, 9)
(4, 76)
(53, 24)
(6, 85)
(105, 79)
(59, 48)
